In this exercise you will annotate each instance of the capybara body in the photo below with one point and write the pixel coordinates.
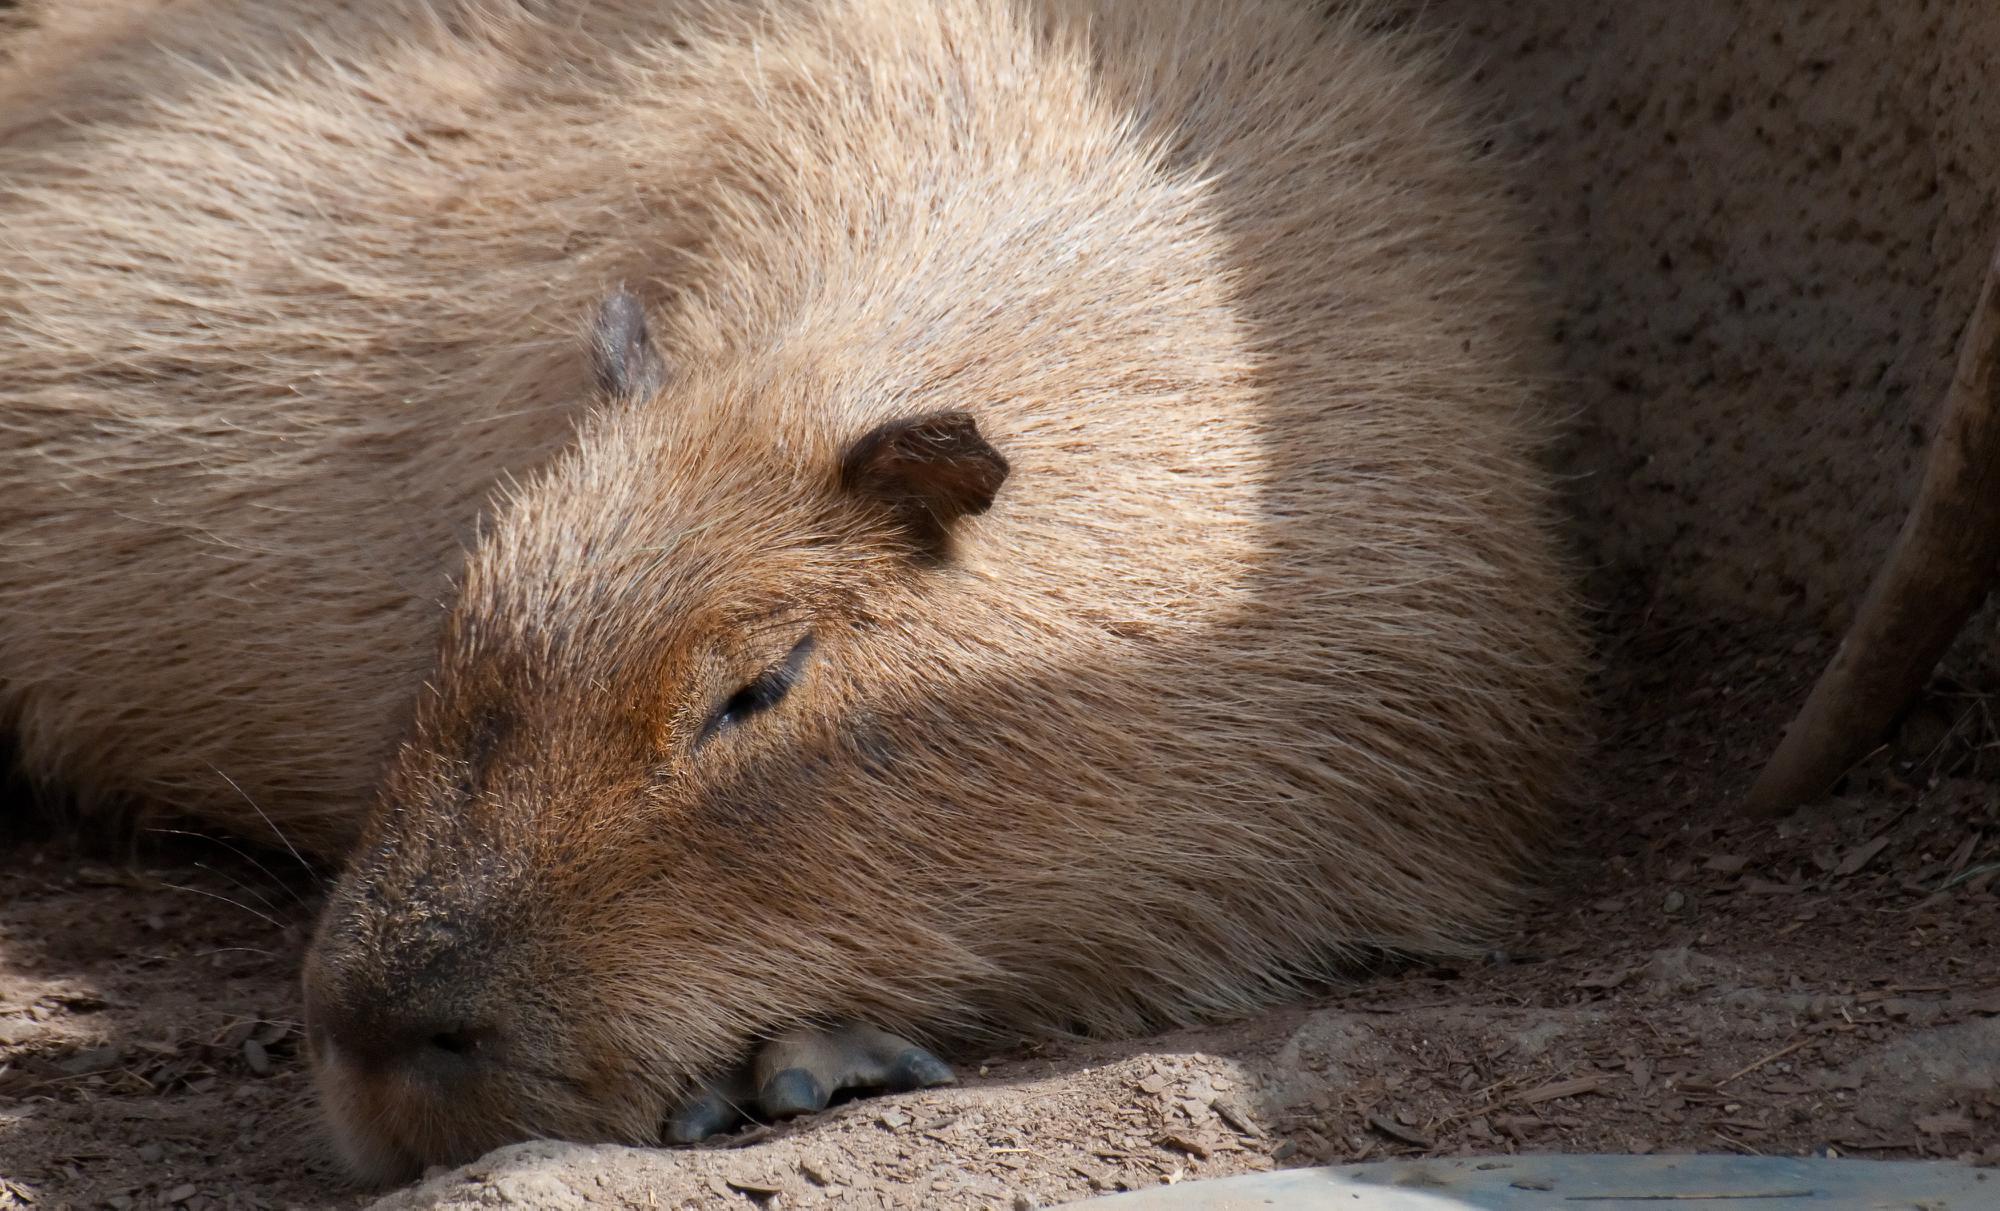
(1051, 538)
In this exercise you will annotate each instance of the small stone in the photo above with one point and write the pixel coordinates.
(1025, 1202)
(97, 1059)
(256, 1057)
(273, 1033)
(179, 1194)
(151, 1153)
(817, 1172)
(238, 1031)
(1674, 902)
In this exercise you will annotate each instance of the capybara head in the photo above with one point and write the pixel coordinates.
(660, 735)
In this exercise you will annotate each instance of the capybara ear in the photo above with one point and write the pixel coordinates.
(928, 470)
(621, 350)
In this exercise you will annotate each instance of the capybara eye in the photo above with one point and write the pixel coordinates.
(763, 691)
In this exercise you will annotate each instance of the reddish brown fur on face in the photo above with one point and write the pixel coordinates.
(1260, 657)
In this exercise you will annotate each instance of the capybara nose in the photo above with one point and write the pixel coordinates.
(386, 1033)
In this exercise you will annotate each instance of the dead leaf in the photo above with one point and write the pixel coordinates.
(1858, 858)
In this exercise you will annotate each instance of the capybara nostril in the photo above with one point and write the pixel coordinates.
(457, 1040)
(408, 1037)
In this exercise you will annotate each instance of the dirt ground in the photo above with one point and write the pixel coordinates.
(1694, 982)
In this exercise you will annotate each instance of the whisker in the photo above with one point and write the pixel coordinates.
(223, 950)
(306, 866)
(215, 870)
(265, 917)
(264, 870)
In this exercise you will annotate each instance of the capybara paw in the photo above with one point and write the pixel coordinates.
(800, 1072)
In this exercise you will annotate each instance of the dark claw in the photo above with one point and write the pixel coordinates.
(709, 1114)
(917, 1069)
(792, 1092)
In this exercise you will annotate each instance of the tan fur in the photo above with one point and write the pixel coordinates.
(1261, 658)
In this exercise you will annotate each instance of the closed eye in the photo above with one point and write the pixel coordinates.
(764, 691)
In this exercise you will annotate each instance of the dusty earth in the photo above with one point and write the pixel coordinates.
(1694, 982)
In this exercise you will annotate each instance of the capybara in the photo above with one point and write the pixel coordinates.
(832, 527)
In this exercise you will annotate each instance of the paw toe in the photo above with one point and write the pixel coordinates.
(709, 1114)
(792, 1092)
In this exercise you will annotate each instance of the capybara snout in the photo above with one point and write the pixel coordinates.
(828, 528)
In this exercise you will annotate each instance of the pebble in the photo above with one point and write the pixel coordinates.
(256, 1057)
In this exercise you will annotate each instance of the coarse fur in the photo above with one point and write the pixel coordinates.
(1262, 656)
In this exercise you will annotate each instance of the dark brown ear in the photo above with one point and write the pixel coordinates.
(928, 471)
(621, 350)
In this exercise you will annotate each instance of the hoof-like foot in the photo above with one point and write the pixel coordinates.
(800, 1072)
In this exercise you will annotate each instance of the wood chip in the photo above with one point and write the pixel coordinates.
(1397, 1131)
(1760, 1061)
(1960, 856)
(1764, 887)
(754, 1184)
(1237, 1117)
(1606, 979)
(1983, 1001)
(1184, 1142)
(1574, 1087)
(1945, 1124)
